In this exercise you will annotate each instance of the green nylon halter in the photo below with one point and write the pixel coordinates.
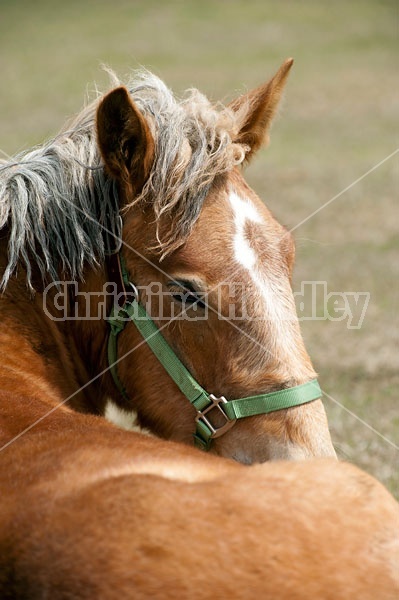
(197, 396)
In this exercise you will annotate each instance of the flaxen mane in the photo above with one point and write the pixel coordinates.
(55, 198)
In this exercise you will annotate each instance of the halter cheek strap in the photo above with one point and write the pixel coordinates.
(204, 402)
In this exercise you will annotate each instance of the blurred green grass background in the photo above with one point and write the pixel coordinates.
(339, 120)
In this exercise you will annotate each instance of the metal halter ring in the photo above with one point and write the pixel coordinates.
(132, 290)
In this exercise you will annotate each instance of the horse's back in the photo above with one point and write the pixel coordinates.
(139, 518)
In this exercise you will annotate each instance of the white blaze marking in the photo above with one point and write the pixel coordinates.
(274, 290)
(245, 255)
(243, 211)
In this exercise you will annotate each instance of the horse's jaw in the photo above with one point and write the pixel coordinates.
(286, 436)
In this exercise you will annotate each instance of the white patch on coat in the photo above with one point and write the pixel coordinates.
(244, 254)
(273, 288)
(125, 419)
(243, 211)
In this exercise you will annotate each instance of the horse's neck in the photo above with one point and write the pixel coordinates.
(54, 357)
(89, 305)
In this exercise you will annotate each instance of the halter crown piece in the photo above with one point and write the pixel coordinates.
(202, 401)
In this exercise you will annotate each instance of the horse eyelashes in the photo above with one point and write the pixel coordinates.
(185, 293)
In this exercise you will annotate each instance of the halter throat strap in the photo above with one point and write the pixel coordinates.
(203, 402)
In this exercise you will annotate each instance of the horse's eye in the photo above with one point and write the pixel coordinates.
(185, 293)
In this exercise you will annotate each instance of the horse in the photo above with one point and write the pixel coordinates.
(211, 264)
(144, 284)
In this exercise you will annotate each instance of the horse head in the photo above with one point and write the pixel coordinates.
(212, 267)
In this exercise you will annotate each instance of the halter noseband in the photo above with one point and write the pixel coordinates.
(202, 401)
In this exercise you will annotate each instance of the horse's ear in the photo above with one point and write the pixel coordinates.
(257, 108)
(124, 139)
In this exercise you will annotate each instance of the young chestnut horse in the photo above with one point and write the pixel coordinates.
(192, 226)
(88, 510)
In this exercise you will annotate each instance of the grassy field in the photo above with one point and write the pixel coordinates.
(339, 120)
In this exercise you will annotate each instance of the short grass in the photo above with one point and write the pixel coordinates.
(339, 120)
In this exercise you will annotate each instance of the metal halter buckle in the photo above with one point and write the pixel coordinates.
(215, 403)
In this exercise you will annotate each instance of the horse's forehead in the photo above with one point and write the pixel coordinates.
(240, 206)
(235, 229)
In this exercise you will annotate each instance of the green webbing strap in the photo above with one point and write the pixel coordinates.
(266, 403)
(172, 364)
(117, 322)
(133, 311)
(199, 398)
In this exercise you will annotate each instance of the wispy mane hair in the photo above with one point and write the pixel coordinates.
(56, 198)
